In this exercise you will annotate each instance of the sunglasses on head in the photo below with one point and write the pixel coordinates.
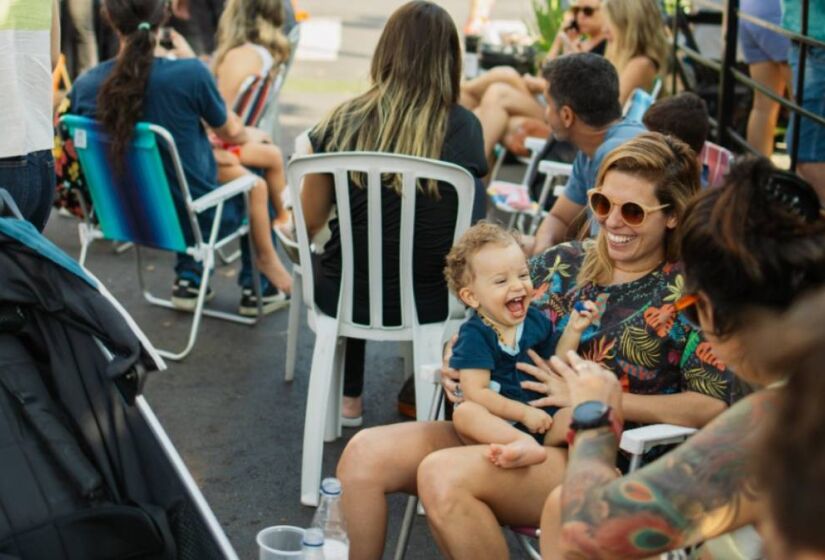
(633, 213)
(794, 194)
(588, 11)
(688, 306)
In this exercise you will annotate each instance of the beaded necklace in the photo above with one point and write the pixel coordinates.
(490, 324)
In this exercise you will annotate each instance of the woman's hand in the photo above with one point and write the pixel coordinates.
(547, 381)
(588, 381)
(180, 48)
(449, 376)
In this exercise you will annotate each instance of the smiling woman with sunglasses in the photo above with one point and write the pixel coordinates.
(754, 245)
(668, 375)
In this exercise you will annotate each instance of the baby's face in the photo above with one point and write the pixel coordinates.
(501, 288)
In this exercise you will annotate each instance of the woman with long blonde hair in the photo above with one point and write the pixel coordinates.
(636, 46)
(637, 43)
(251, 43)
(410, 108)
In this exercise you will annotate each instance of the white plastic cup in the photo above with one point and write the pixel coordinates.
(280, 542)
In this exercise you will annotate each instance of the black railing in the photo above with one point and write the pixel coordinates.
(727, 14)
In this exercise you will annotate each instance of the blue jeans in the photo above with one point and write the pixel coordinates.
(30, 180)
(811, 134)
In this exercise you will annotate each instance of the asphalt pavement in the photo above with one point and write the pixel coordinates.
(227, 409)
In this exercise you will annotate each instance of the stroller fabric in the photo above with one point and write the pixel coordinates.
(82, 474)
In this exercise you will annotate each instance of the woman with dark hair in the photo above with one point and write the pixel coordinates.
(410, 108)
(178, 95)
(632, 274)
(754, 245)
(791, 458)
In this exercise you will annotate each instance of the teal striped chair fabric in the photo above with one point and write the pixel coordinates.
(136, 205)
(140, 205)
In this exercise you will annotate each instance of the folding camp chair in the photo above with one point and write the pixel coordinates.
(515, 200)
(137, 206)
(640, 101)
(269, 121)
(250, 105)
(323, 411)
(717, 160)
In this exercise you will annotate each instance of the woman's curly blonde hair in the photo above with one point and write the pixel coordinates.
(458, 271)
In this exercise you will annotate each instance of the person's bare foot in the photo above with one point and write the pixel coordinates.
(277, 274)
(520, 453)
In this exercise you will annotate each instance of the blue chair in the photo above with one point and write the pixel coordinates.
(640, 101)
(637, 105)
(137, 206)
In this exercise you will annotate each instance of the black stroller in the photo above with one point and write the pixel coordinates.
(86, 470)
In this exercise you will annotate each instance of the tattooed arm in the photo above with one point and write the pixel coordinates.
(702, 489)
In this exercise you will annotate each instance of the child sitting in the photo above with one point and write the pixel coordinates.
(487, 270)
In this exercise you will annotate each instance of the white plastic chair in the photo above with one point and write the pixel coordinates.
(323, 411)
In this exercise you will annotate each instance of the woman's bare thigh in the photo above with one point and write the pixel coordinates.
(390, 455)
(516, 496)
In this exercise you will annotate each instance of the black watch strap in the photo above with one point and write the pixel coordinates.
(589, 415)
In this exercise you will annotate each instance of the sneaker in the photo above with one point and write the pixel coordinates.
(271, 300)
(185, 294)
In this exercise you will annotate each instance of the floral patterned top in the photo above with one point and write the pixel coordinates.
(637, 332)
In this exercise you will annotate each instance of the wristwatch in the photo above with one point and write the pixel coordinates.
(589, 415)
(593, 414)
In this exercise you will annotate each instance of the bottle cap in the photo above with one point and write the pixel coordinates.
(314, 537)
(331, 486)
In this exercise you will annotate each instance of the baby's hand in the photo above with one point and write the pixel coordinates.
(583, 315)
(536, 420)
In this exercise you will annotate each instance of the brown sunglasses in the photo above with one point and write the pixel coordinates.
(633, 213)
(588, 11)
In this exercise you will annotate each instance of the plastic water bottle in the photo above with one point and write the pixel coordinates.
(312, 547)
(330, 519)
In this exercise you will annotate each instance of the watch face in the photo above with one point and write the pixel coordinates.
(590, 414)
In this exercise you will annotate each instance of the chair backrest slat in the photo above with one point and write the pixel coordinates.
(136, 205)
(375, 250)
(413, 172)
(409, 187)
(340, 177)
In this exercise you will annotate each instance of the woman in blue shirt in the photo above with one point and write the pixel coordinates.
(179, 95)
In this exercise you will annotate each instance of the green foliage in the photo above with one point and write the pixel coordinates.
(670, 6)
(549, 15)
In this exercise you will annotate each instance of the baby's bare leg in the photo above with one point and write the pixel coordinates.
(509, 446)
